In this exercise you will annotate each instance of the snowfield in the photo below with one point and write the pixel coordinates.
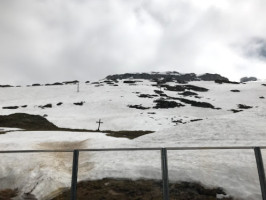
(43, 174)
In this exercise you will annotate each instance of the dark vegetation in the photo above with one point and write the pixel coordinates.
(38, 123)
(125, 189)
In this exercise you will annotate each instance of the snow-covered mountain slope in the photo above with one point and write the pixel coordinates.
(218, 123)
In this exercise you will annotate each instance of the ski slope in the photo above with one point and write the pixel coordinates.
(44, 174)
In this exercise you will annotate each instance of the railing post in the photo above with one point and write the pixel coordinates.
(261, 172)
(74, 175)
(165, 174)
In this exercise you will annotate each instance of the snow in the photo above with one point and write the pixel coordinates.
(44, 173)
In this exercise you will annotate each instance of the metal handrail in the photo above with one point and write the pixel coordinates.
(164, 163)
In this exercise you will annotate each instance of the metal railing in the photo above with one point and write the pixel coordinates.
(164, 163)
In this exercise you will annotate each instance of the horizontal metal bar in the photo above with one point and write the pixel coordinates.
(135, 149)
(35, 151)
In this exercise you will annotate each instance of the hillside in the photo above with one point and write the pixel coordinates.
(206, 111)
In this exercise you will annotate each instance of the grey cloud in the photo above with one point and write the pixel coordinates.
(45, 40)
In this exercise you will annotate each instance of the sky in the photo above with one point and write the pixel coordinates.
(44, 41)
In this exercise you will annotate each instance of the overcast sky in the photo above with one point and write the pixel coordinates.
(45, 41)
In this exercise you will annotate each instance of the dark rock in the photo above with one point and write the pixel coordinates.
(49, 105)
(247, 79)
(146, 96)
(242, 106)
(51, 84)
(26, 121)
(263, 84)
(158, 91)
(235, 90)
(225, 81)
(181, 88)
(188, 93)
(5, 86)
(167, 77)
(79, 103)
(151, 113)
(235, 110)
(70, 82)
(261, 97)
(87, 82)
(36, 84)
(161, 103)
(10, 107)
(59, 104)
(138, 107)
(24, 106)
(95, 83)
(196, 88)
(212, 77)
(129, 82)
(195, 103)
(194, 120)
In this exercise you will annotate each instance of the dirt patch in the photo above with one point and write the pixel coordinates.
(127, 134)
(125, 189)
(8, 194)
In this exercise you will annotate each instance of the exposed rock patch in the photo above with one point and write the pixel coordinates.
(5, 86)
(235, 90)
(161, 103)
(263, 84)
(10, 107)
(59, 104)
(235, 110)
(262, 97)
(79, 103)
(36, 84)
(188, 93)
(147, 96)
(138, 107)
(225, 81)
(49, 105)
(243, 106)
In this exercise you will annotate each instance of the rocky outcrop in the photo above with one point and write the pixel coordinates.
(138, 107)
(161, 103)
(247, 79)
(212, 77)
(168, 76)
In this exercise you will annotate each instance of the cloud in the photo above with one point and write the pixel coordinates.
(45, 41)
